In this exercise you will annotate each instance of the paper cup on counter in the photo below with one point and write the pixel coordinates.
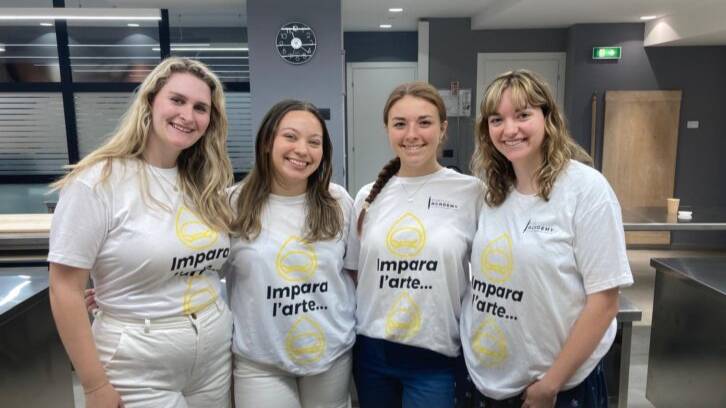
(672, 205)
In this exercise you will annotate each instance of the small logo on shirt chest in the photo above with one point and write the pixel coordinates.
(538, 228)
(441, 203)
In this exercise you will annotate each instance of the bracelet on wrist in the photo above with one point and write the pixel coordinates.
(91, 391)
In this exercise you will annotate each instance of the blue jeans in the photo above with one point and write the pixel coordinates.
(590, 393)
(394, 375)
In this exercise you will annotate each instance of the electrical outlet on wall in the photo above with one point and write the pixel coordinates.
(692, 124)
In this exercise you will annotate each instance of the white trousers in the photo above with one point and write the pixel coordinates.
(177, 362)
(257, 385)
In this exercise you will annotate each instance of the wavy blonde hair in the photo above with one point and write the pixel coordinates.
(323, 215)
(558, 147)
(204, 168)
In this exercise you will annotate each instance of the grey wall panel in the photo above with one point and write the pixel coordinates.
(32, 134)
(453, 49)
(373, 46)
(320, 81)
(697, 71)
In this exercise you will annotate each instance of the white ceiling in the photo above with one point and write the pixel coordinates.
(367, 15)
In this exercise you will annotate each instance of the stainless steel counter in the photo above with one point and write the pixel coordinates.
(657, 219)
(617, 360)
(20, 288)
(687, 358)
(34, 368)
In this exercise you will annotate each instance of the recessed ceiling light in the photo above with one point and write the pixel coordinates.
(79, 14)
(385, 26)
(646, 18)
(132, 25)
(47, 24)
(395, 9)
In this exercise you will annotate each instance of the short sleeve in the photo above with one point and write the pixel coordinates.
(600, 243)
(353, 244)
(79, 226)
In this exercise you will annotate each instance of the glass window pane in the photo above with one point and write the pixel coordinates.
(112, 51)
(28, 52)
(240, 139)
(97, 116)
(221, 43)
(33, 136)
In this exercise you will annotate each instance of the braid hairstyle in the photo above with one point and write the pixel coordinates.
(386, 173)
(417, 89)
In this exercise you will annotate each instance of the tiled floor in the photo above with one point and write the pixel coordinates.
(641, 294)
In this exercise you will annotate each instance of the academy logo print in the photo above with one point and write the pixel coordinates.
(403, 320)
(192, 232)
(296, 260)
(496, 259)
(305, 341)
(489, 344)
(197, 298)
(406, 237)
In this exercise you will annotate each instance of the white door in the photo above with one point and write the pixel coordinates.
(549, 65)
(368, 86)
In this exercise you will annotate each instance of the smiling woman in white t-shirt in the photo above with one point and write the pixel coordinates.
(547, 260)
(416, 224)
(293, 303)
(145, 215)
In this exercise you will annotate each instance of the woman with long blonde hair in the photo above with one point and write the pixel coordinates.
(146, 217)
(547, 259)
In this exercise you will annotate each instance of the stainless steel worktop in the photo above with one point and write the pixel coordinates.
(34, 368)
(658, 219)
(687, 357)
(18, 286)
(709, 272)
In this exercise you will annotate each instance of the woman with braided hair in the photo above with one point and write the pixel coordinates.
(415, 227)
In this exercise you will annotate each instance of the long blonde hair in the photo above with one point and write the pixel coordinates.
(323, 215)
(558, 147)
(416, 89)
(204, 168)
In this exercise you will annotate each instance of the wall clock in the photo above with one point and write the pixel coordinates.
(296, 43)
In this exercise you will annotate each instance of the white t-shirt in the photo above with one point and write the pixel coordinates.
(533, 264)
(293, 304)
(145, 261)
(413, 259)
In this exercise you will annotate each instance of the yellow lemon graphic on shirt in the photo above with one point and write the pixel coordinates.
(496, 259)
(199, 294)
(192, 232)
(305, 341)
(296, 260)
(403, 321)
(406, 237)
(489, 344)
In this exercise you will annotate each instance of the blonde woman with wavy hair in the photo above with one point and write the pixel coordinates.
(146, 217)
(547, 259)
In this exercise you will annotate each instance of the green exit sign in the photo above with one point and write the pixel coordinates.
(599, 53)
